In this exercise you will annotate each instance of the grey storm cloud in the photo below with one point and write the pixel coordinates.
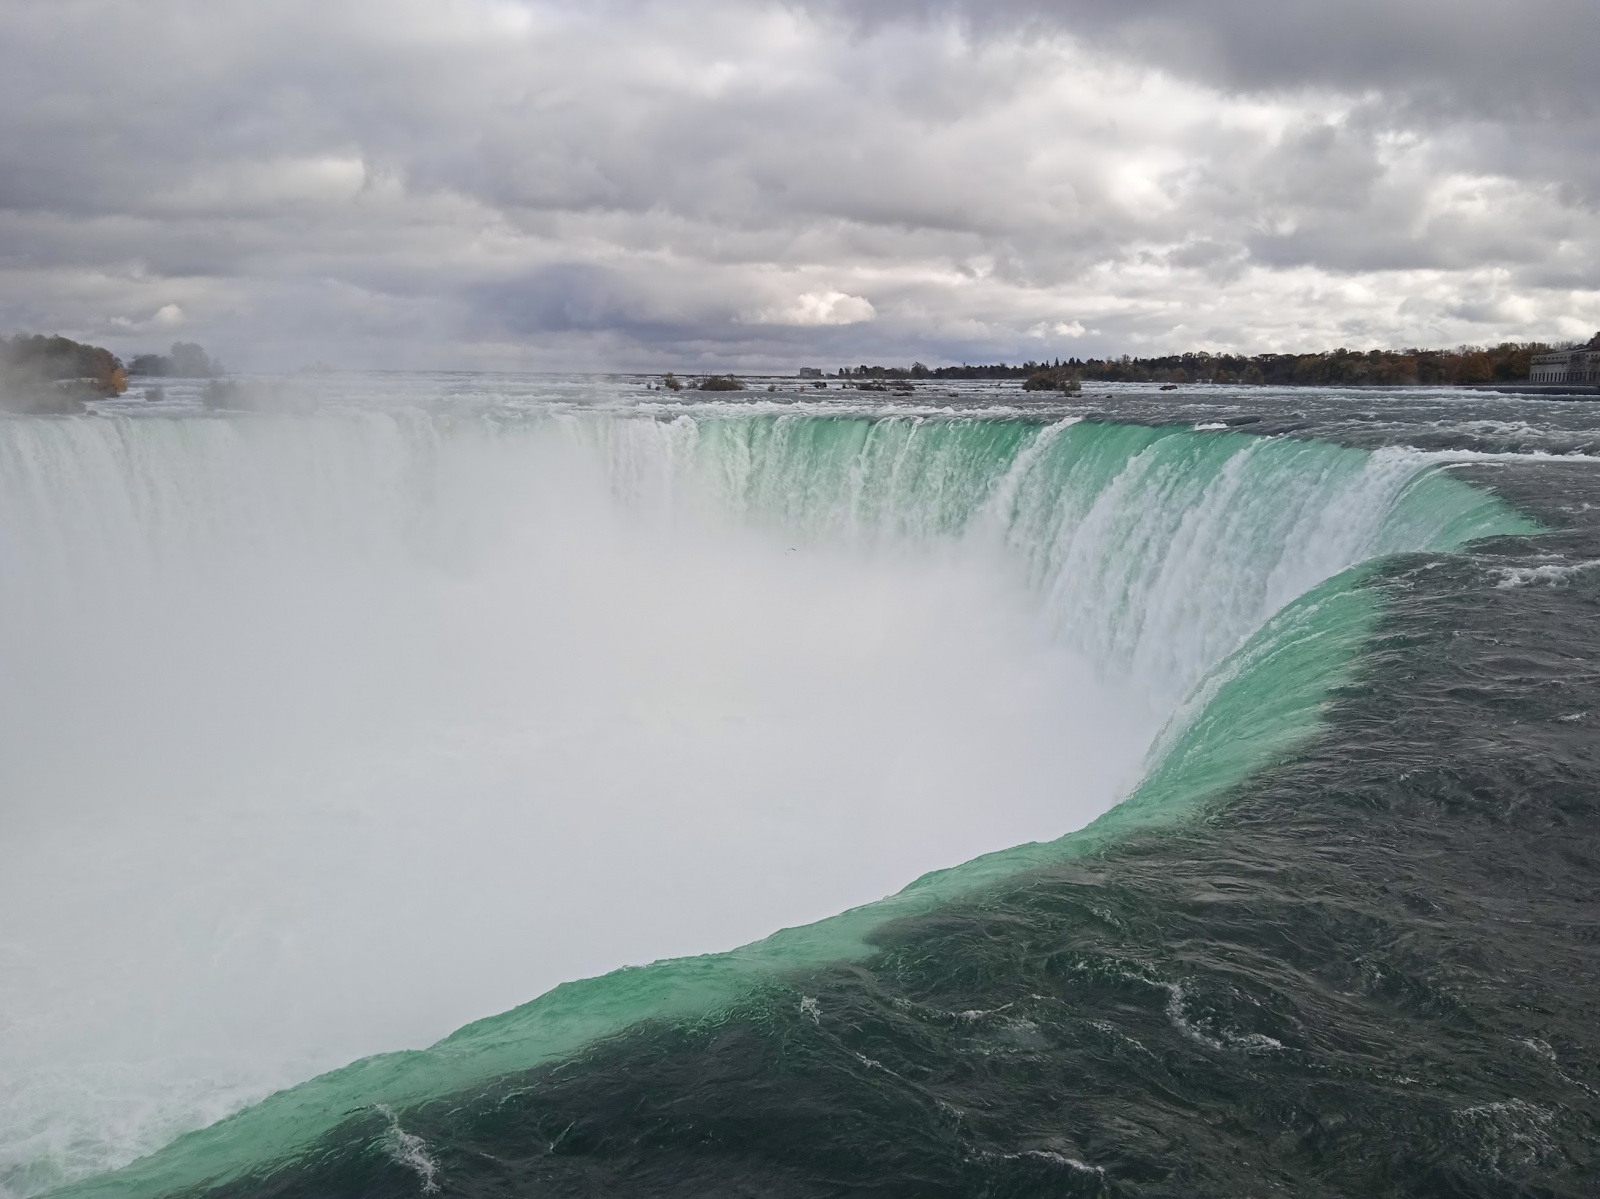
(631, 183)
(1534, 55)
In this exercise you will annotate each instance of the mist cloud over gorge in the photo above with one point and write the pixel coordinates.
(476, 183)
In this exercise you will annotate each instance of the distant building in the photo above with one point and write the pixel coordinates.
(1580, 365)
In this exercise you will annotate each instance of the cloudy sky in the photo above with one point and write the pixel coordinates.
(631, 184)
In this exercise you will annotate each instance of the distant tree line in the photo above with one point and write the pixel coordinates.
(1504, 363)
(917, 371)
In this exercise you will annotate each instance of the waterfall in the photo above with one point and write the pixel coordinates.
(326, 734)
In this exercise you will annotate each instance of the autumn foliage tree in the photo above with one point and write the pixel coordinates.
(55, 374)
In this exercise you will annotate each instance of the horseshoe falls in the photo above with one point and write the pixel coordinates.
(361, 760)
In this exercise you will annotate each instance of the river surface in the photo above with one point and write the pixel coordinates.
(1159, 793)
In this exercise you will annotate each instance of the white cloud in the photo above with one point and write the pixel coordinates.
(650, 182)
(819, 308)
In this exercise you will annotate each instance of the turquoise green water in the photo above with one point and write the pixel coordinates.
(1221, 573)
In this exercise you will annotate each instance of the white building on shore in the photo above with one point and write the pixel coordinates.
(1580, 365)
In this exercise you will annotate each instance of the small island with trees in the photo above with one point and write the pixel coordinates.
(186, 361)
(53, 375)
(41, 374)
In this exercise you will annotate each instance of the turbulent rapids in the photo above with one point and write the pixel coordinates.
(327, 734)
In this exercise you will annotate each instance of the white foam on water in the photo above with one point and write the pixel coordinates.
(1551, 575)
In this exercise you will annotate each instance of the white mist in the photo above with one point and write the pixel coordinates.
(325, 736)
